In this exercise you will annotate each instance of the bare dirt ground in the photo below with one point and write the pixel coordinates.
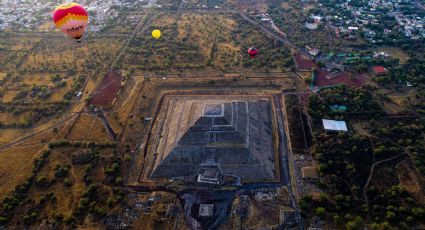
(411, 180)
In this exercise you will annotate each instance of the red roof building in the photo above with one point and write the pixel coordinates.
(379, 70)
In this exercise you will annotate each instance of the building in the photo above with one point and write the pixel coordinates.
(334, 125)
(206, 210)
(210, 174)
(309, 173)
(379, 70)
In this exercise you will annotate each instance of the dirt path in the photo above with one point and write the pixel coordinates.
(91, 127)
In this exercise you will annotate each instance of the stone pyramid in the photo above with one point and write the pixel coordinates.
(236, 134)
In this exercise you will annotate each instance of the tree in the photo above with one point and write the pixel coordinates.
(69, 220)
(320, 211)
(337, 219)
(418, 212)
(3, 220)
(67, 182)
(390, 215)
(351, 225)
(42, 181)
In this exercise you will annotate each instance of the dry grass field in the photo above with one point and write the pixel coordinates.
(395, 52)
(63, 54)
(16, 165)
(88, 128)
(198, 41)
(57, 89)
(41, 75)
(16, 162)
(13, 49)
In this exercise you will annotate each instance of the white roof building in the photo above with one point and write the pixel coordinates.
(334, 125)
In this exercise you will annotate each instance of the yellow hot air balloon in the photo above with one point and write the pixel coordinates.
(156, 34)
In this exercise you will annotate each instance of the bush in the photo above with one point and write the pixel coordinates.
(42, 182)
(320, 211)
(61, 171)
(67, 182)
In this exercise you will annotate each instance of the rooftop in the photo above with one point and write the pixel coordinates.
(309, 172)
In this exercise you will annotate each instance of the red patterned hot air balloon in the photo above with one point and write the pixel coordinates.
(252, 52)
(72, 19)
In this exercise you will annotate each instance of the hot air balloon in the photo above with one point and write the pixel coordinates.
(252, 52)
(156, 34)
(72, 19)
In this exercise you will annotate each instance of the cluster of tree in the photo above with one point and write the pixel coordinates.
(272, 53)
(40, 92)
(97, 199)
(407, 134)
(85, 157)
(58, 81)
(359, 103)
(113, 171)
(92, 201)
(394, 205)
(292, 22)
(36, 113)
(84, 144)
(61, 171)
(344, 162)
(75, 87)
(411, 71)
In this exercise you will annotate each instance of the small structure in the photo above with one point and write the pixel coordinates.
(379, 70)
(209, 175)
(210, 172)
(338, 108)
(287, 217)
(261, 196)
(311, 26)
(334, 125)
(309, 173)
(206, 210)
(313, 51)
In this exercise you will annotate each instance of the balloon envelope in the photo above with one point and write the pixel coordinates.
(72, 19)
(252, 52)
(156, 34)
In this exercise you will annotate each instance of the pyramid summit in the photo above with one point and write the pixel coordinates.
(235, 134)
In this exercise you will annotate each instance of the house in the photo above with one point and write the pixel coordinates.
(379, 70)
(309, 173)
(313, 51)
